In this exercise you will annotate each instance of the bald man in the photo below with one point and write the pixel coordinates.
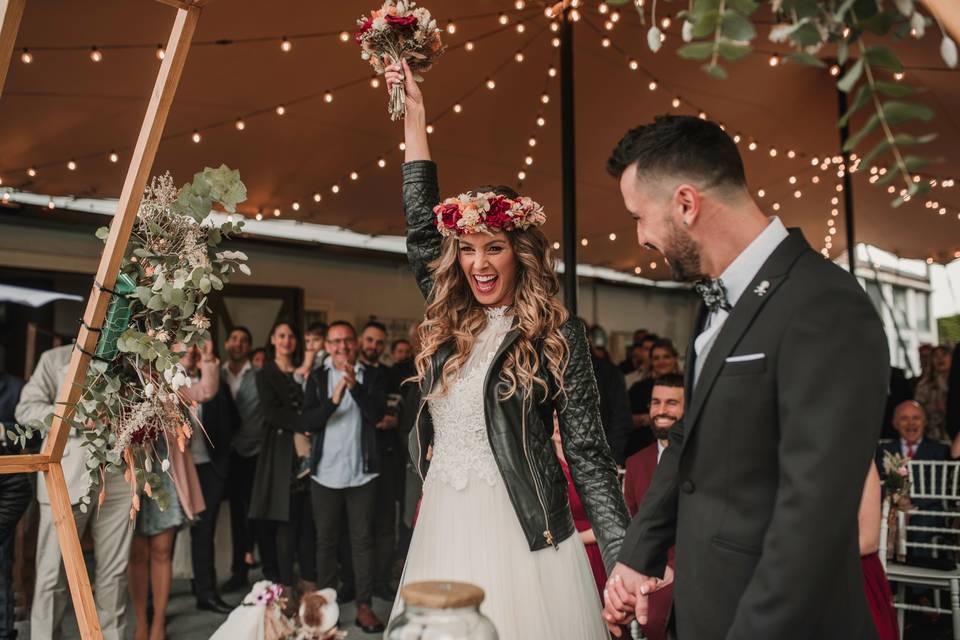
(910, 422)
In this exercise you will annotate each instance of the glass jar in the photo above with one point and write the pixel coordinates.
(441, 611)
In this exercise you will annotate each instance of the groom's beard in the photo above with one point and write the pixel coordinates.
(682, 254)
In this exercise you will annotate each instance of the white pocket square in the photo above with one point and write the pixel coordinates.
(747, 357)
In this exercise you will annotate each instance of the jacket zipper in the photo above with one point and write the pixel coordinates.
(419, 446)
(536, 482)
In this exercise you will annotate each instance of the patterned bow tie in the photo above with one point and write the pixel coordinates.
(714, 294)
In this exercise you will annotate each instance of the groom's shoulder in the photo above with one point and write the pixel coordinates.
(817, 276)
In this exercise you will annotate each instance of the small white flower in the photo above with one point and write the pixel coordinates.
(948, 51)
(165, 465)
(148, 390)
(904, 6)
(918, 23)
(244, 269)
(653, 39)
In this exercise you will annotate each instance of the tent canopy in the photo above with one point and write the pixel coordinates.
(64, 107)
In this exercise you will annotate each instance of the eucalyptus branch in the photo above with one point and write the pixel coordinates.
(717, 33)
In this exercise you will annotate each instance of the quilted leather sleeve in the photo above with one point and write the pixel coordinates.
(421, 193)
(585, 447)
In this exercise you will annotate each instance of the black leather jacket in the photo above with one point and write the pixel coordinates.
(521, 427)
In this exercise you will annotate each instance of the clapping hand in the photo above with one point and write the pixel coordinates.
(626, 597)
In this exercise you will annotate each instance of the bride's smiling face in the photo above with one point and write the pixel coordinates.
(490, 266)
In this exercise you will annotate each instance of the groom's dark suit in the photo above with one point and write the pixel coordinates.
(760, 485)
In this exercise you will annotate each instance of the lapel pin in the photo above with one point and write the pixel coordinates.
(762, 288)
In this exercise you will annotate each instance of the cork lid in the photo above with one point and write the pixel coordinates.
(442, 595)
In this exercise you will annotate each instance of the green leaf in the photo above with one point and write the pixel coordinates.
(898, 112)
(204, 284)
(879, 23)
(843, 52)
(850, 78)
(863, 96)
(696, 51)
(700, 6)
(705, 23)
(745, 7)
(842, 10)
(735, 27)
(883, 57)
(915, 163)
(810, 60)
(894, 89)
(155, 303)
(864, 131)
(731, 51)
(98, 367)
(806, 35)
(715, 71)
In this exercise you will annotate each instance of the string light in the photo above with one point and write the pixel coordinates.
(584, 242)
(259, 216)
(50, 204)
(521, 27)
(665, 23)
(196, 136)
(276, 213)
(281, 109)
(328, 97)
(491, 84)
(344, 36)
(761, 193)
(161, 52)
(554, 26)
(317, 197)
(702, 115)
(613, 237)
(605, 42)
(430, 128)
(545, 98)
(773, 153)
(555, 42)
(113, 156)
(637, 270)
(375, 82)
(519, 56)
(556, 245)
(608, 25)
(457, 108)
(552, 72)
(72, 165)
(286, 45)
(541, 121)
(774, 60)
(521, 175)
(469, 46)
(634, 65)
(752, 146)
(32, 172)
(615, 16)
(96, 55)
(295, 206)
(603, 8)
(26, 57)
(451, 28)
(354, 175)
(528, 160)
(834, 70)
(791, 154)
(676, 103)
(898, 76)
(574, 15)
(335, 188)
(653, 265)
(503, 19)
(519, 5)
(653, 85)
(381, 163)
(403, 146)
(532, 141)
(776, 206)
(797, 194)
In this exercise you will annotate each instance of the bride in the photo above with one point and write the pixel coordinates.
(499, 356)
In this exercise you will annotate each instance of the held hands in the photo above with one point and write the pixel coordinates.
(626, 596)
(388, 422)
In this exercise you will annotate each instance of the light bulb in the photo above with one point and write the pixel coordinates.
(797, 194)
(375, 82)
(702, 115)
(451, 28)
(403, 146)
(736, 138)
(665, 23)
(504, 19)
(491, 84)
(613, 237)
(603, 8)
(430, 128)
(541, 121)
(521, 175)
(815, 179)
(114, 157)
(545, 98)
(354, 175)
(555, 42)
(574, 15)
(554, 26)
(752, 146)
(633, 64)
(285, 45)
(898, 76)
(295, 206)
(761, 193)
(519, 4)
(26, 57)
(328, 97)
(791, 154)
(276, 213)
(50, 204)
(774, 60)
(317, 197)
(552, 72)
(457, 108)
(72, 165)
(468, 46)
(605, 42)
(281, 110)
(834, 70)
(776, 206)
(161, 53)
(519, 56)
(196, 136)
(532, 141)
(792, 179)
(259, 216)
(676, 103)
(637, 270)
(528, 160)
(653, 85)
(773, 153)
(653, 265)
(584, 242)
(381, 163)
(335, 188)
(615, 16)
(96, 55)
(556, 246)
(608, 25)
(344, 36)
(521, 27)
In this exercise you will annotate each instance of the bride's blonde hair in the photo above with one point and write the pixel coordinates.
(453, 314)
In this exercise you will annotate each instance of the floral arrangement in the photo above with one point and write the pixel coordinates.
(130, 402)
(487, 212)
(896, 477)
(315, 619)
(399, 30)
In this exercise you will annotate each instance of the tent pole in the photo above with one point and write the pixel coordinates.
(847, 187)
(568, 154)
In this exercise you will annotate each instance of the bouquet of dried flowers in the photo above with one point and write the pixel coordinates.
(396, 31)
(130, 411)
(896, 477)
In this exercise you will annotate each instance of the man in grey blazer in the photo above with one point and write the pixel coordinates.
(110, 524)
(786, 382)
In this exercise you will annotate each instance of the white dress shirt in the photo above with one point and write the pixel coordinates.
(736, 278)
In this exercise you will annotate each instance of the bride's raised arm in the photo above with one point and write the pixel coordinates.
(421, 192)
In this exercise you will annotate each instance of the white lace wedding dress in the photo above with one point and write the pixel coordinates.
(467, 529)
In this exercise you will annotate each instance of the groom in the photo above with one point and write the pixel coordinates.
(785, 385)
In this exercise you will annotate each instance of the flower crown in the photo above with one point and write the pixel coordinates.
(486, 212)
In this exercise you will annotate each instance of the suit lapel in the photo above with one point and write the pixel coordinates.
(774, 271)
(691, 362)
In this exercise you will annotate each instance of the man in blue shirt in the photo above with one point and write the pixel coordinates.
(343, 403)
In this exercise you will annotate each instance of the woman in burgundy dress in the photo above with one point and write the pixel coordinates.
(580, 518)
(879, 597)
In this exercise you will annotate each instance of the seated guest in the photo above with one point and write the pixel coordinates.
(666, 408)
(663, 360)
(638, 358)
(875, 583)
(931, 393)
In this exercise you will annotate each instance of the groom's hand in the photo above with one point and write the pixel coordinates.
(625, 597)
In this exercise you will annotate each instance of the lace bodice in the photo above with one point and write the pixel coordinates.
(460, 444)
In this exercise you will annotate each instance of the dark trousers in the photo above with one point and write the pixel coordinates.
(15, 494)
(242, 529)
(389, 496)
(202, 552)
(327, 515)
(296, 541)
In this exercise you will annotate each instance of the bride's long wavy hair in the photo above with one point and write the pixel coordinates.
(453, 314)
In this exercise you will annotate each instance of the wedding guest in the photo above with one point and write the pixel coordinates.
(258, 357)
(150, 570)
(15, 496)
(900, 390)
(401, 351)
(924, 356)
(931, 393)
(344, 401)
(876, 586)
(278, 494)
(634, 360)
(313, 343)
(110, 522)
(637, 358)
(953, 394)
(666, 408)
(663, 360)
(241, 378)
(212, 452)
(580, 520)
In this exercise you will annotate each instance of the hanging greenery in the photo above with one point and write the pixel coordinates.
(131, 401)
(720, 31)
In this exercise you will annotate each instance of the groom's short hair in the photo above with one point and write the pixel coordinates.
(684, 146)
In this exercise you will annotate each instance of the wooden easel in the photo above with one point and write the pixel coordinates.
(48, 461)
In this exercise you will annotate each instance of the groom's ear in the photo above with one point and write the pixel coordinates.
(687, 202)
